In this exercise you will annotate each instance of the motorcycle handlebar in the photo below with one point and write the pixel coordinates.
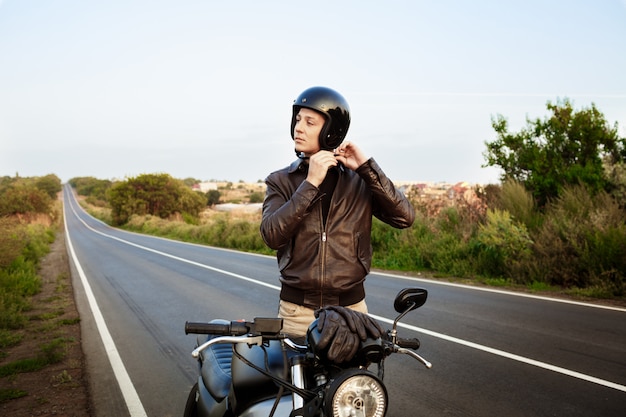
(234, 328)
(413, 343)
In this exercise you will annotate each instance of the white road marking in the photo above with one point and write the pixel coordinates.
(508, 355)
(135, 407)
(496, 291)
(442, 336)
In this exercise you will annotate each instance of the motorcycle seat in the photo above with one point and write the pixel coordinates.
(216, 370)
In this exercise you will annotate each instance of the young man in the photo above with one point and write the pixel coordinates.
(318, 212)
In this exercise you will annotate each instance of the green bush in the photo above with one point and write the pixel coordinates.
(38, 242)
(21, 199)
(576, 241)
(156, 194)
(94, 189)
(256, 198)
(243, 235)
(390, 246)
(19, 279)
(582, 242)
(13, 239)
(213, 197)
(437, 241)
(50, 184)
(503, 246)
(519, 202)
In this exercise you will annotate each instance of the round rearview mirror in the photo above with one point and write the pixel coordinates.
(409, 299)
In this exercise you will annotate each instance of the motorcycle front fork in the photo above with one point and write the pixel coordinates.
(297, 379)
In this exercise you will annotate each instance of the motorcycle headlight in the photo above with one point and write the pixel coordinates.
(356, 393)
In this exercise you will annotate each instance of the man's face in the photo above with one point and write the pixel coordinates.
(306, 132)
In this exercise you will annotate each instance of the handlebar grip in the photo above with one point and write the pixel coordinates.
(413, 343)
(218, 329)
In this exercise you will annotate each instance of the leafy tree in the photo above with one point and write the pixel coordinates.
(24, 198)
(122, 201)
(190, 182)
(91, 187)
(567, 147)
(257, 197)
(213, 197)
(50, 183)
(156, 194)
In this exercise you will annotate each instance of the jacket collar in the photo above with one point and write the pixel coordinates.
(298, 164)
(303, 165)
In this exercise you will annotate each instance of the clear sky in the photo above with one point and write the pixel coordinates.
(204, 89)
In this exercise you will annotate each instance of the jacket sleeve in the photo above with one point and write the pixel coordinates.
(282, 214)
(389, 204)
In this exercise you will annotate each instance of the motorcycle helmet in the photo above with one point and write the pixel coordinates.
(333, 107)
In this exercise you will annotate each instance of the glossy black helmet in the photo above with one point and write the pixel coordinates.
(333, 107)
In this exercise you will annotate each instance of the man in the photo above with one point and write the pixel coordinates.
(318, 212)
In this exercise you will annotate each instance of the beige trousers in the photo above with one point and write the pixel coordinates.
(297, 318)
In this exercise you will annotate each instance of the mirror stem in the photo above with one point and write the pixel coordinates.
(394, 330)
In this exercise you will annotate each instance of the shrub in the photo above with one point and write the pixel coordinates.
(503, 246)
(12, 240)
(156, 194)
(38, 242)
(50, 184)
(396, 249)
(256, 198)
(582, 241)
(243, 235)
(519, 202)
(617, 176)
(576, 241)
(19, 279)
(21, 199)
(91, 187)
(213, 197)
(447, 254)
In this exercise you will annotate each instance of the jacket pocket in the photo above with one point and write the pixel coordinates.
(363, 251)
(284, 257)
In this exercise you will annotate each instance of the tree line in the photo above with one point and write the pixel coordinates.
(30, 195)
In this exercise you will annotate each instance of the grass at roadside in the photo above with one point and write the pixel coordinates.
(50, 353)
(41, 362)
(236, 229)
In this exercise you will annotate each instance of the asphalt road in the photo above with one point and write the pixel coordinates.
(494, 353)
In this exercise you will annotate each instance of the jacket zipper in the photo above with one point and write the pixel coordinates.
(323, 259)
(324, 246)
(323, 269)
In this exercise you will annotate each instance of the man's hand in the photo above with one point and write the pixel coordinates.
(350, 155)
(319, 164)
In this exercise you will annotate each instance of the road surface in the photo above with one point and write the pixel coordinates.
(494, 353)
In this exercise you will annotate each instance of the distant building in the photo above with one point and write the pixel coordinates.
(204, 187)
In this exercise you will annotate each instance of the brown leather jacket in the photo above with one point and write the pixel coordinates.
(321, 267)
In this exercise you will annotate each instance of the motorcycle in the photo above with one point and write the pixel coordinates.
(251, 369)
